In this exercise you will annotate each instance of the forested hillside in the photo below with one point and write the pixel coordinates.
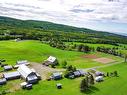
(28, 29)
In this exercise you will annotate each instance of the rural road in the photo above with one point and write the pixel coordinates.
(96, 67)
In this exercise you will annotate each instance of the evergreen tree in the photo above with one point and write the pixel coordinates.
(84, 85)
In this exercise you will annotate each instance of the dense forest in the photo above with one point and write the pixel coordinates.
(46, 31)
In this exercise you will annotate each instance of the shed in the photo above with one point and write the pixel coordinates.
(7, 68)
(98, 73)
(29, 86)
(82, 72)
(77, 73)
(11, 75)
(57, 76)
(25, 62)
(27, 74)
(59, 85)
(23, 85)
(99, 79)
(3, 81)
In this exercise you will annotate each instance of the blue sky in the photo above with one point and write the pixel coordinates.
(104, 15)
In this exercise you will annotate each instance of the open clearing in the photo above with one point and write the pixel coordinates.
(44, 71)
(104, 60)
(35, 51)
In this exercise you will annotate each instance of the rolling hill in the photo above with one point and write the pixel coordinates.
(30, 29)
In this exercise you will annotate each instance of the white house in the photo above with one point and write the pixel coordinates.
(51, 60)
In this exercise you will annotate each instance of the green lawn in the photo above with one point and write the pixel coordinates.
(110, 86)
(35, 51)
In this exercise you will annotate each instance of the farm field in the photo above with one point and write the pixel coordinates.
(35, 51)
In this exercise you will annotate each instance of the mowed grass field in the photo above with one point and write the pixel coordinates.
(110, 86)
(35, 51)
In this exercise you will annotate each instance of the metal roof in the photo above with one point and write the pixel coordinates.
(22, 62)
(57, 74)
(33, 77)
(11, 74)
(3, 80)
(77, 73)
(24, 70)
(51, 59)
(7, 67)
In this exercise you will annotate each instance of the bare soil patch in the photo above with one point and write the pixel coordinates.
(104, 60)
(44, 71)
(91, 56)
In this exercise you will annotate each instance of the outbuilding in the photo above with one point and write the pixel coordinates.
(59, 85)
(11, 75)
(27, 74)
(51, 61)
(57, 76)
(25, 62)
(99, 79)
(7, 68)
(77, 73)
(23, 85)
(3, 81)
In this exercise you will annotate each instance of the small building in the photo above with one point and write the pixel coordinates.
(98, 73)
(17, 40)
(11, 75)
(7, 68)
(51, 61)
(59, 85)
(77, 73)
(29, 86)
(23, 85)
(25, 62)
(27, 74)
(57, 76)
(3, 81)
(99, 79)
(82, 72)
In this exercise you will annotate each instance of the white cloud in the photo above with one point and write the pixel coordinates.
(72, 12)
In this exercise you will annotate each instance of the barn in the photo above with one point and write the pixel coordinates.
(27, 74)
(11, 75)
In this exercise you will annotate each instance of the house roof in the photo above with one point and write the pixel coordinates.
(57, 74)
(82, 72)
(77, 73)
(24, 70)
(7, 67)
(22, 62)
(51, 59)
(11, 74)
